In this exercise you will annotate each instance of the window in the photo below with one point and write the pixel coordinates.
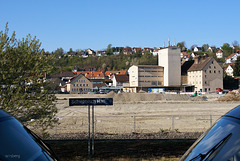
(214, 71)
(210, 71)
(154, 82)
(205, 82)
(87, 85)
(205, 76)
(77, 85)
(80, 85)
(73, 85)
(205, 89)
(219, 72)
(208, 89)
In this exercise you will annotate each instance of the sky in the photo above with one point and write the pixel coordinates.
(83, 24)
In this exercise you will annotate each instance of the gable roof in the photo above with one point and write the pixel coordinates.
(74, 79)
(122, 78)
(219, 51)
(199, 66)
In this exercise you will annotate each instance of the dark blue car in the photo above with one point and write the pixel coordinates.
(17, 143)
(220, 142)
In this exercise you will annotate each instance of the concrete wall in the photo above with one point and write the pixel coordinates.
(170, 59)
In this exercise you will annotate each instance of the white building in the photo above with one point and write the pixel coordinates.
(170, 59)
(229, 70)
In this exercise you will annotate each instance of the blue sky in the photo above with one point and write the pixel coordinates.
(82, 24)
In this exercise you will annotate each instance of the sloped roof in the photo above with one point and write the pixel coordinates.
(185, 66)
(202, 63)
(99, 85)
(117, 72)
(231, 55)
(93, 74)
(122, 78)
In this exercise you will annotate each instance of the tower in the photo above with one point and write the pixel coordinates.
(169, 58)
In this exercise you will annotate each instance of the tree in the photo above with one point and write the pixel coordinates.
(182, 45)
(236, 70)
(24, 93)
(227, 50)
(109, 49)
(205, 47)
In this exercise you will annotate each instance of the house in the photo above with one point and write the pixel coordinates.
(117, 50)
(155, 52)
(185, 56)
(142, 77)
(232, 58)
(219, 54)
(90, 51)
(101, 53)
(64, 76)
(135, 50)
(79, 85)
(146, 50)
(127, 51)
(205, 74)
(212, 48)
(194, 55)
(197, 49)
(229, 70)
(119, 80)
(70, 54)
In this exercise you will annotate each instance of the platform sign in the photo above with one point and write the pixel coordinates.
(90, 101)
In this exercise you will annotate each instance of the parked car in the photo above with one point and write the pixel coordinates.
(18, 143)
(220, 142)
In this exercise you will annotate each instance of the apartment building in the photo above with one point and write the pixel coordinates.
(205, 74)
(142, 77)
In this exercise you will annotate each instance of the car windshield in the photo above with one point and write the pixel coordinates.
(17, 144)
(222, 142)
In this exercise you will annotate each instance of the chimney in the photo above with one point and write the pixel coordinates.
(196, 60)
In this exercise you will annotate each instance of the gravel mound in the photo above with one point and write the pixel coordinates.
(152, 97)
(230, 96)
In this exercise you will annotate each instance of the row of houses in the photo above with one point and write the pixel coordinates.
(115, 51)
(202, 74)
(219, 54)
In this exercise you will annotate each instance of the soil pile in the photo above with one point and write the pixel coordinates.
(230, 96)
(151, 97)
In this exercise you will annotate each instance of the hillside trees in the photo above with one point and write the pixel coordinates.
(24, 93)
(227, 50)
(236, 71)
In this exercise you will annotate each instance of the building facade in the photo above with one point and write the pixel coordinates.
(79, 85)
(206, 75)
(169, 58)
(145, 76)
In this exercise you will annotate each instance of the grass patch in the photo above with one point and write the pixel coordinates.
(121, 149)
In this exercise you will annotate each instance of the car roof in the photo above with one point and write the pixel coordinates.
(4, 114)
(234, 112)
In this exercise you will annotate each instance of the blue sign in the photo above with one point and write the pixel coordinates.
(90, 101)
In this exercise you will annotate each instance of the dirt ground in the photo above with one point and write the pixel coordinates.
(142, 113)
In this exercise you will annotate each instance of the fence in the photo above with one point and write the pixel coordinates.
(135, 123)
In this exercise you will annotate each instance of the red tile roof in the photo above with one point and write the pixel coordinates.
(116, 72)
